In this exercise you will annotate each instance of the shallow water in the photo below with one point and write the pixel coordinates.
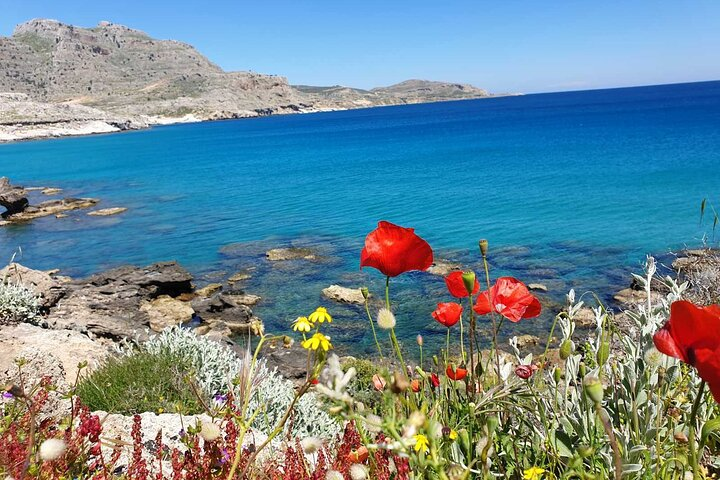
(571, 189)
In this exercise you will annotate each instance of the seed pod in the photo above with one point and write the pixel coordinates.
(603, 353)
(483, 247)
(566, 349)
(469, 281)
(593, 388)
(557, 374)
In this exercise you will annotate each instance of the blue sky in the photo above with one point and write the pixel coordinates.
(502, 45)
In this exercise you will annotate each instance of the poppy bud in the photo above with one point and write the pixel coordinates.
(435, 360)
(464, 440)
(434, 380)
(593, 388)
(603, 353)
(365, 292)
(492, 423)
(483, 247)
(585, 451)
(582, 369)
(419, 340)
(557, 374)
(378, 382)
(479, 369)
(469, 281)
(415, 385)
(566, 349)
(399, 383)
(680, 437)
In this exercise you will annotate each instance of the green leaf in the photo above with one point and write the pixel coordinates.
(710, 427)
(702, 209)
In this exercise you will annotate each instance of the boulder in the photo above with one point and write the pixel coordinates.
(537, 286)
(290, 253)
(209, 290)
(221, 308)
(49, 288)
(164, 278)
(52, 207)
(630, 296)
(51, 191)
(443, 268)
(13, 198)
(245, 298)
(525, 341)
(165, 311)
(239, 277)
(104, 212)
(344, 294)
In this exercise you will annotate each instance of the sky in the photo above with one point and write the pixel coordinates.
(502, 45)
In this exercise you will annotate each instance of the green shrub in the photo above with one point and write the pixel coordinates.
(17, 303)
(137, 383)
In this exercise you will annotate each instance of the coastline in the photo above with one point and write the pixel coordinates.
(47, 130)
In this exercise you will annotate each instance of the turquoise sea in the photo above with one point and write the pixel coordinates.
(571, 189)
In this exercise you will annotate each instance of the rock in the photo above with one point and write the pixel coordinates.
(239, 277)
(585, 317)
(291, 362)
(13, 198)
(443, 268)
(108, 304)
(52, 207)
(290, 253)
(107, 211)
(629, 296)
(524, 341)
(344, 294)
(51, 191)
(69, 348)
(537, 286)
(165, 311)
(221, 308)
(209, 290)
(61, 215)
(50, 289)
(202, 329)
(245, 299)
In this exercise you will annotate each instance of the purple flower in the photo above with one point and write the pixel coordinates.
(225, 456)
(220, 399)
(8, 395)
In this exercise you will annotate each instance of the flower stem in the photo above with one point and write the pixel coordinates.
(495, 328)
(471, 334)
(372, 326)
(691, 437)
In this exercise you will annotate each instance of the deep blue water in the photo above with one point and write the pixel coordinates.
(572, 190)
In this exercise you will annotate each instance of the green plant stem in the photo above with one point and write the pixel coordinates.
(471, 334)
(495, 328)
(605, 420)
(396, 344)
(372, 326)
(691, 437)
(387, 292)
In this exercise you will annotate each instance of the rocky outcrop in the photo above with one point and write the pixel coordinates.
(105, 212)
(166, 311)
(13, 198)
(290, 253)
(344, 294)
(51, 207)
(50, 289)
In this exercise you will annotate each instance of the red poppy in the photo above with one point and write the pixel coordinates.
(358, 455)
(525, 371)
(415, 385)
(394, 250)
(456, 285)
(434, 380)
(314, 381)
(448, 313)
(510, 298)
(692, 334)
(456, 374)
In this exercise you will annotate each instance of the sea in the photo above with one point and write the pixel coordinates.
(572, 190)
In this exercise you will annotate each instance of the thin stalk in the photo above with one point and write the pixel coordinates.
(495, 328)
(472, 350)
(372, 326)
(605, 420)
(691, 438)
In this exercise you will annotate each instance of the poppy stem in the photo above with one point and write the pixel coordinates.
(472, 350)
(387, 292)
(372, 326)
(495, 328)
(393, 338)
(691, 438)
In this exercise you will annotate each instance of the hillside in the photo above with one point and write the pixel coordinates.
(127, 75)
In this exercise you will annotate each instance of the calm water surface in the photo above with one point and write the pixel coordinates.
(571, 189)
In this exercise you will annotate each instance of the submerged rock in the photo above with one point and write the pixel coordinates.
(51, 191)
(290, 253)
(443, 268)
(344, 294)
(538, 286)
(107, 212)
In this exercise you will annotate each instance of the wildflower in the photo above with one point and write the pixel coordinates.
(209, 431)
(456, 284)
(378, 382)
(317, 341)
(358, 455)
(419, 340)
(385, 319)
(320, 315)
(373, 423)
(448, 313)
(358, 471)
(453, 435)
(220, 399)
(525, 371)
(302, 324)
(653, 357)
(394, 250)
(434, 380)
(52, 449)
(691, 334)
(456, 374)
(421, 443)
(415, 385)
(334, 475)
(311, 445)
(533, 473)
(510, 298)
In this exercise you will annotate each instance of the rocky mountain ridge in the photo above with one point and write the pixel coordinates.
(59, 75)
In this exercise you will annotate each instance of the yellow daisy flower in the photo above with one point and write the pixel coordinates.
(533, 473)
(302, 324)
(317, 341)
(320, 315)
(421, 443)
(453, 435)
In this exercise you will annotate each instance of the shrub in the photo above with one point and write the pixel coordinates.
(17, 303)
(141, 382)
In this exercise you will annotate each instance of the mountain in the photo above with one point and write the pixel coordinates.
(130, 79)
